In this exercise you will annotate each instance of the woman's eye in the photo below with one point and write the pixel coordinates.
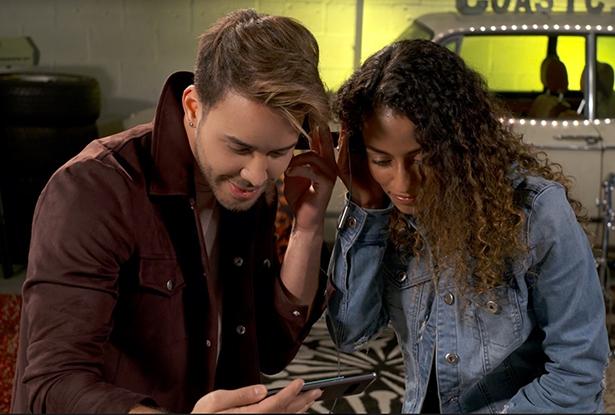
(381, 163)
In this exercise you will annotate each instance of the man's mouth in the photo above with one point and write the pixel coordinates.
(243, 193)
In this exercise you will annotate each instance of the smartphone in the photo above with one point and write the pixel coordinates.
(333, 388)
(304, 144)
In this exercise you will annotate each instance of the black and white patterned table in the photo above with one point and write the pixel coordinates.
(318, 359)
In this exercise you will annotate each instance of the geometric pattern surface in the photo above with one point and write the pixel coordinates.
(318, 358)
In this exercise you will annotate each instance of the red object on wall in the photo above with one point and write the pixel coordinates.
(10, 309)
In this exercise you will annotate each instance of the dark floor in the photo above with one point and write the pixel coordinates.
(318, 358)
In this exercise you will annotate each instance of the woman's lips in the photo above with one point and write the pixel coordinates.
(404, 199)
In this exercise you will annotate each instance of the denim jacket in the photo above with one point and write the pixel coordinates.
(536, 343)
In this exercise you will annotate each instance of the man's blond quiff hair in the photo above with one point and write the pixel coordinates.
(268, 59)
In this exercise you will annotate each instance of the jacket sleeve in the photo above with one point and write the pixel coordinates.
(355, 310)
(80, 235)
(569, 308)
(282, 323)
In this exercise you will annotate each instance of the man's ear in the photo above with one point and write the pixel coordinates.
(191, 105)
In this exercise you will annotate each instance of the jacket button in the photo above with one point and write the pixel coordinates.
(170, 285)
(267, 263)
(240, 329)
(402, 276)
(493, 307)
(452, 358)
(449, 298)
(352, 222)
(238, 261)
(208, 343)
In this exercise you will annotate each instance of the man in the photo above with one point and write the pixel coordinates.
(152, 277)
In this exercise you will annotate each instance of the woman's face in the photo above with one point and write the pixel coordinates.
(394, 157)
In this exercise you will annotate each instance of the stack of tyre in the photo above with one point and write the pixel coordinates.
(45, 119)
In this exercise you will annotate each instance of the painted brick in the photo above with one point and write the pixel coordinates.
(275, 7)
(12, 17)
(206, 12)
(106, 29)
(132, 45)
(340, 18)
(310, 13)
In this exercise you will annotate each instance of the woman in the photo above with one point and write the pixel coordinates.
(464, 240)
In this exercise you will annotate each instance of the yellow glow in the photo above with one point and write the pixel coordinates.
(516, 70)
(605, 48)
(333, 25)
(571, 51)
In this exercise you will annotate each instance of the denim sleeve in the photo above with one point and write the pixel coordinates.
(569, 308)
(355, 311)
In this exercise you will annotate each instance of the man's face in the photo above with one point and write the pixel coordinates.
(240, 145)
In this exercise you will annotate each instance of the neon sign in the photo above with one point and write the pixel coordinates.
(525, 6)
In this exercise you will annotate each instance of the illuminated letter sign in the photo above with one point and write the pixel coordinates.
(524, 6)
(464, 8)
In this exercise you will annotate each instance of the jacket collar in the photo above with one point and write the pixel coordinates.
(173, 167)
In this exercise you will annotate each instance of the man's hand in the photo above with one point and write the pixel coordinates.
(309, 181)
(354, 172)
(251, 399)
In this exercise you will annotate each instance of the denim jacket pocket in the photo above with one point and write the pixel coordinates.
(162, 276)
(402, 275)
(498, 317)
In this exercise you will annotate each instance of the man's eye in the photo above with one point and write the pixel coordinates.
(381, 163)
(241, 150)
(278, 154)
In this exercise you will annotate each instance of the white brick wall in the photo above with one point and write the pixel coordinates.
(131, 46)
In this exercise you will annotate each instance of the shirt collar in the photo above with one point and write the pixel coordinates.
(173, 169)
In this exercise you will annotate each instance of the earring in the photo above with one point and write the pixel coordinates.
(191, 124)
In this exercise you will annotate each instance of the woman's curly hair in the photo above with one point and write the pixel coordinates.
(467, 208)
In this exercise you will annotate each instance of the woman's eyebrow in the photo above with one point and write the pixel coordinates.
(377, 150)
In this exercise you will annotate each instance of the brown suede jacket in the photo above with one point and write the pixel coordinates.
(117, 304)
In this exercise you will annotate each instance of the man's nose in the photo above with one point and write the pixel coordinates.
(256, 171)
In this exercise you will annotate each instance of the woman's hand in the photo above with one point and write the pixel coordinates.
(354, 172)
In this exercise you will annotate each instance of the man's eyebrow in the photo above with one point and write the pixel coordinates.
(377, 150)
(238, 142)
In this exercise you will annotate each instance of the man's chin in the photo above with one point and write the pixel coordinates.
(234, 205)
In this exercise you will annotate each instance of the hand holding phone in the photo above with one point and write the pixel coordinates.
(253, 399)
(336, 387)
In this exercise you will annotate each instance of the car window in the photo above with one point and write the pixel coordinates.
(535, 76)
(605, 94)
(571, 51)
(508, 63)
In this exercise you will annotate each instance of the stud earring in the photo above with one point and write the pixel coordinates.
(191, 124)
